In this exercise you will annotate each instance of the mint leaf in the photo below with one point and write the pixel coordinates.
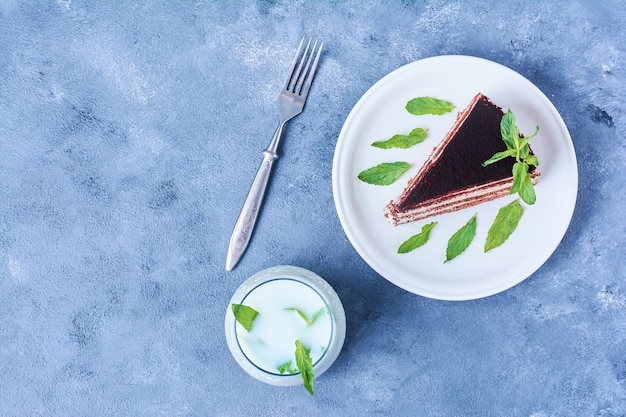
(317, 315)
(300, 313)
(527, 138)
(508, 130)
(517, 146)
(305, 365)
(287, 368)
(524, 152)
(461, 239)
(532, 160)
(416, 136)
(505, 223)
(309, 321)
(520, 170)
(385, 173)
(244, 315)
(499, 156)
(523, 183)
(428, 105)
(417, 240)
(527, 190)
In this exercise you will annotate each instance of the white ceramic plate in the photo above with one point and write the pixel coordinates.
(381, 113)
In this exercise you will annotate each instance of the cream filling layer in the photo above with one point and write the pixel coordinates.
(457, 200)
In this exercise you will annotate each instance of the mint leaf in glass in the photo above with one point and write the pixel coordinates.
(244, 315)
(305, 365)
(317, 315)
(384, 174)
(301, 313)
(287, 368)
(309, 321)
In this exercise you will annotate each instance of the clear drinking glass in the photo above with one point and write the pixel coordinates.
(293, 304)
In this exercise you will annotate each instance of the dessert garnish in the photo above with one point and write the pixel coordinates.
(385, 173)
(504, 224)
(428, 105)
(517, 147)
(414, 137)
(417, 240)
(452, 177)
(461, 239)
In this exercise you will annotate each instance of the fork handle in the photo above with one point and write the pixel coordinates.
(247, 218)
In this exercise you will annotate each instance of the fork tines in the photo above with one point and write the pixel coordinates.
(299, 81)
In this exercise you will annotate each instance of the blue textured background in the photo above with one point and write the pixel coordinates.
(129, 134)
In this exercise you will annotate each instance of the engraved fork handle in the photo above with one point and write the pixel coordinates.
(247, 218)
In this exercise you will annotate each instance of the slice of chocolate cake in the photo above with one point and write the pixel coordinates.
(453, 177)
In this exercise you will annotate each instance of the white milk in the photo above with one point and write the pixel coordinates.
(270, 342)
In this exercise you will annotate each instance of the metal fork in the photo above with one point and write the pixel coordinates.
(290, 103)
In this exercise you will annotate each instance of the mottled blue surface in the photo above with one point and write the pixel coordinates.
(129, 134)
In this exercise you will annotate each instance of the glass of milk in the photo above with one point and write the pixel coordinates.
(293, 304)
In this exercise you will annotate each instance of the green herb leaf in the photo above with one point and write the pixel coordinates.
(417, 240)
(385, 173)
(499, 156)
(428, 105)
(509, 131)
(309, 321)
(523, 183)
(532, 160)
(403, 141)
(244, 315)
(461, 239)
(300, 313)
(505, 223)
(520, 169)
(533, 135)
(287, 368)
(527, 190)
(305, 365)
(317, 315)
(253, 340)
(524, 152)
(517, 146)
